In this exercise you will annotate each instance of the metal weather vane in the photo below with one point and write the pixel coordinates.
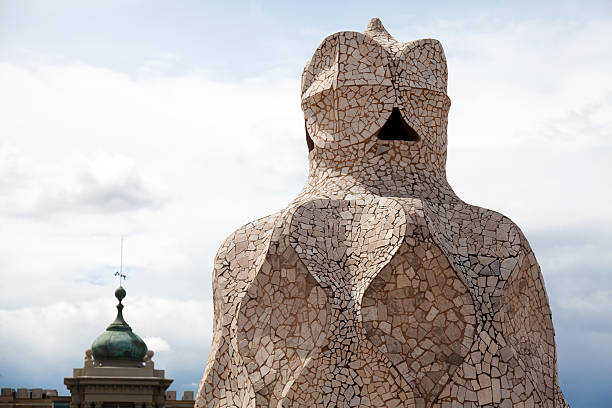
(119, 273)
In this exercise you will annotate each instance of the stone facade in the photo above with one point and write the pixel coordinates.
(32, 398)
(46, 398)
(117, 385)
(377, 286)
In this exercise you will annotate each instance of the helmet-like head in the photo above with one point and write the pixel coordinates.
(361, 88)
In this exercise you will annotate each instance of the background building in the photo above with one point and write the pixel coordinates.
(46, 398)
(32, 398)
(118, 372)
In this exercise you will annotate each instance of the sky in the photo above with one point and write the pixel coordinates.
(174, 123)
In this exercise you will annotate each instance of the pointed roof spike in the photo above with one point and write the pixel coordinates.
(375, 28)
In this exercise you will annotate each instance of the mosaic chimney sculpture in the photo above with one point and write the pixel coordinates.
(377, 286)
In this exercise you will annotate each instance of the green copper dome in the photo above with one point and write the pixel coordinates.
(118, 342)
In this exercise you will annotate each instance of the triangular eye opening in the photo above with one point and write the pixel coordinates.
(309, 141)
(396, 128)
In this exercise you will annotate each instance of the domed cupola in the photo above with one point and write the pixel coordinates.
(119, 342)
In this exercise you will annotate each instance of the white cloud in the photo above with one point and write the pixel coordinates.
(157, 344)
(102, 184)
(172, 163)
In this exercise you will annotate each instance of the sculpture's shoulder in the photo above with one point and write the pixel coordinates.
(494, 245)
(488, 251)
(236, 259)
(475, 234)
(243, 243)
(501, 237)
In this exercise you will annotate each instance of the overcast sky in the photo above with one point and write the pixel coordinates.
(173, 123)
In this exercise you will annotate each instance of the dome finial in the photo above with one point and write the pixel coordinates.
(120, 293)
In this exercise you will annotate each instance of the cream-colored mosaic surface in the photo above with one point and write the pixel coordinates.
(377, 286)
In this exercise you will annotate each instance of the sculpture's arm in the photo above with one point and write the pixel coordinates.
(527, 325)
(234, 269)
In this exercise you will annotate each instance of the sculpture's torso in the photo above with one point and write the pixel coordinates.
(377, 286)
